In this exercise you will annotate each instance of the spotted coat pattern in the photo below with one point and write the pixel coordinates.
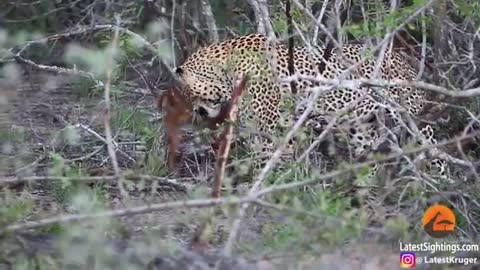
(209, 72)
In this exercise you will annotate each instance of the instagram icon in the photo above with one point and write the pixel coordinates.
(407, 259)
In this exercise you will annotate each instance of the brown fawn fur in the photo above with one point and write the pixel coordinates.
(177, 112)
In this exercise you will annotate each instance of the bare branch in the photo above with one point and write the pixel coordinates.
(69, 34)
(318, 22)
(360, 165)
(226, 137)
(172, 34)
(106, 115)
(358, 83)
(260, 8)
(374, 49)
(438, 42)
(260, 178)
(56, 69)
(177, 183)
(211, 24)
(200, 203)
(291, 44)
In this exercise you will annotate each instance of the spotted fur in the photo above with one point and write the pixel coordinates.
(208, 75)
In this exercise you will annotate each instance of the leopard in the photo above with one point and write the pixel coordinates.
(208, 76)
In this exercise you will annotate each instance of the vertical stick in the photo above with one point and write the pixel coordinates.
(291, 44)
(106, 116)
(226, 137)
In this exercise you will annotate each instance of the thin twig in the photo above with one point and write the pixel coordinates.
(172, 29)
(260, 178)
(212, 26)
(291, 44)
(363, 82)
(209, 202)
(82, 30)
(318, 22)
(358, 166)
(56, 69)
(199, 203)
(163, 181)
(101, 138)
(374, 49)
(227, 135)
(106, 116)
(260, 8)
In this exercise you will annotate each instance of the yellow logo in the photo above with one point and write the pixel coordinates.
(438, 221)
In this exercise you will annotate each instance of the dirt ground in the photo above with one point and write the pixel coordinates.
(41, 104)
